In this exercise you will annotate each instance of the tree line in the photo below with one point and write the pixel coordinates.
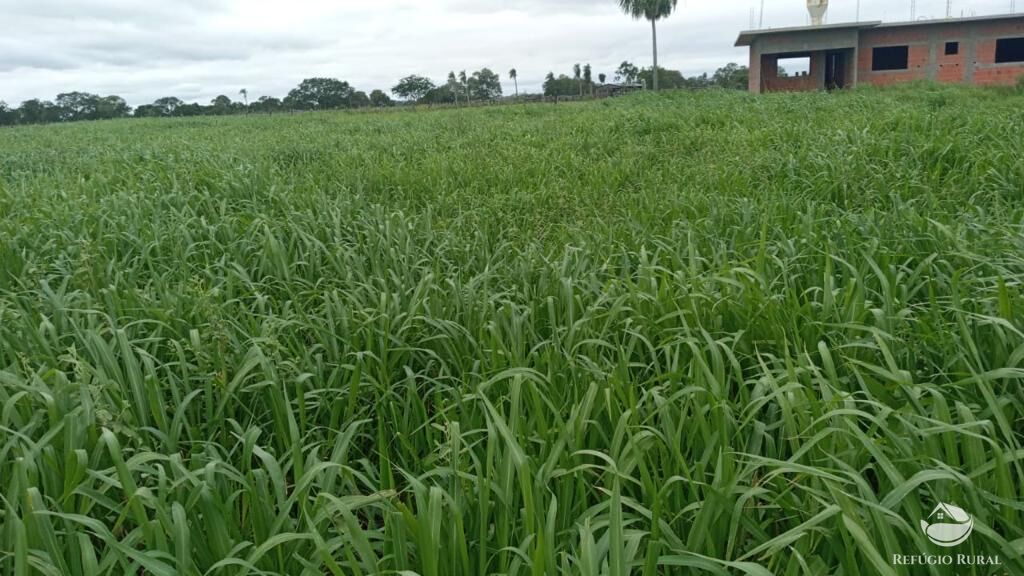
(67, 107)
(484, 85)
(582, 81)
(311, 94)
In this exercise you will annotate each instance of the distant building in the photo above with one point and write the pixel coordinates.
(983, 51)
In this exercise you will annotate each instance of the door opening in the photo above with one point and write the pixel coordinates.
(835, 70)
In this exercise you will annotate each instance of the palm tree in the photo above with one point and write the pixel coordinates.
(244, 94)
(465, 82)
(652, 10)
(512, 74)
(588, 78)
(453, 85)
(602, 77)
(577, 73)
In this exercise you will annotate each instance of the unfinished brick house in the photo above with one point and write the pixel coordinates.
(984, 51)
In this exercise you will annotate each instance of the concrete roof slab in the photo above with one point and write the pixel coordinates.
(747, 37)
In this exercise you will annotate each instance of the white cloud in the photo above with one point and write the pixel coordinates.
(196, 49)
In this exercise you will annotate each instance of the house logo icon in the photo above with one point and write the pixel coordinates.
(948, 526)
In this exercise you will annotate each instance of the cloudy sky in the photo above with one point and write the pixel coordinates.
(196, 49)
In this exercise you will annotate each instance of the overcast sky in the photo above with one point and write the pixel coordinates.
(197, 49)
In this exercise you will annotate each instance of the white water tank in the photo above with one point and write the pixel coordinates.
(817, 8)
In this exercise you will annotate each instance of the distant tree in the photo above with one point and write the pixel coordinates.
(380, 99)
(693, 82)
(360, 100)
(588, 78)
(485, 85)
(190, 110)
(110, 107)
(8, 116)
(731, 76)
(413, 88)
(577, 74)
(75, 106)
(267, 105)
(440, 95)
(221, 106)
(561, 86)
(627, 72)
(514, 76)
(652, 10)
(32, 112)
(245, 96)
(549, 84)
(602, 77)
(51, 112)
(320, 94)
(667, 78)
(167, 106)
(146, 111)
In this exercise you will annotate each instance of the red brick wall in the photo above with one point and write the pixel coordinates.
(986, 71)
(772, 83)
(917, 57)
(952, 68)
(975, 61)
(1003, 76)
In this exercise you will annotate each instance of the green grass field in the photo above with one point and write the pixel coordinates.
(695, 333)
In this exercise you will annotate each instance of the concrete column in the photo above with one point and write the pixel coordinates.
(933, 55)
(971, 47)
(855, 65)
(818, 65)
(754, 83)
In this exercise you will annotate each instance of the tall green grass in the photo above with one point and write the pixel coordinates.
(693, 333)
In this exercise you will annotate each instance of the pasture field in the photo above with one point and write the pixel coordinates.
(692, 333)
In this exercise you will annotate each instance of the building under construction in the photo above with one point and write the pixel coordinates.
(985, 50)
